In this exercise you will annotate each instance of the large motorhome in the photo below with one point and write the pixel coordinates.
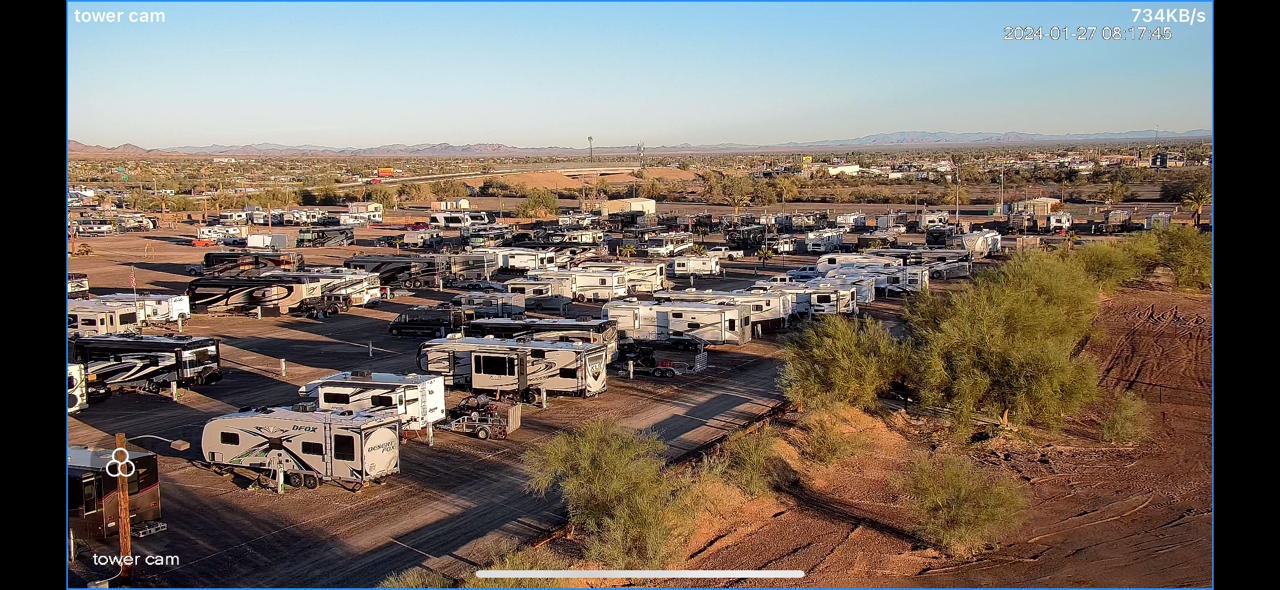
(519, 367)
(586, 330)
(77, 390)
(521, 260)
(746, 237)
(149, 363)
(155, 309)
(92, 318)
(668, 244)
(938, 235)
(696, 322)
(823, 241)
(769, 310)
(308, 445)
(239, 263)
(275, 296)
(835, 261)
(431, 321)
(546, 292)
(453, 220)
(323, 237)
(342, 286)
(77, 285)
(417, 399)
(493, 305)
(589, 284)
(694, 266)
(641, 277)
(93, 506)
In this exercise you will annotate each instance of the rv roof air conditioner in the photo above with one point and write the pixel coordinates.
(454, 336)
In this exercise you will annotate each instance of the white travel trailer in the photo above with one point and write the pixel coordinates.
(520, 367)
(581, 236)
(770, 310)
(522, 259)
(309, 446)
(909, 279)
(453, 220)
(589, 284)
(832, 262)
(160, 309)
(693, 322)
(851, 222)
(234, 217)
(427, 238)
(668, 244)
(931, 218)
(1060, 221)
(818, 298)
(864, 287)
(694, 266)
(823, 241)
(213, 232)
(584, 329)
(367, 209)
(1154, 221)
(546, 292)
(641, 277)
(92, 318)
(271, 241)
(783, 244)
(77, 393)
(304, 216)
(93, 227)
(980, 244)
(417, 399)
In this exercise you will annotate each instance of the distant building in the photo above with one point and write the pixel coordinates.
(849, 169)
(224, 160)
(648, 206)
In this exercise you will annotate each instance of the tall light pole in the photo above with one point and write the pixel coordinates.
(591, 150)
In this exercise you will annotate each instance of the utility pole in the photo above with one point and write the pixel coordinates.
(122, 487)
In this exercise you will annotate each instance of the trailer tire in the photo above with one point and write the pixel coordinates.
(395, 332)
(310, 482)
(293, 479)
(482, 433)
(580, 298)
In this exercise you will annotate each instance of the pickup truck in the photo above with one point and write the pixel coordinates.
(725, 253)
(803, 273)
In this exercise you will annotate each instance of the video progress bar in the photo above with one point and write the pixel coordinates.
(640, 574)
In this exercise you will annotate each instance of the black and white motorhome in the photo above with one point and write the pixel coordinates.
(308, 445)
(695, 323)
(410, 271)
(148, 363)
(93, 507)
(641, 277)
(275, 296)
(87, 317)
(241, 263)
(547, 292)
(77, 285)
(519, 368)
(77, 390)
(585, 329)
(431, 321)
(771, 311)
(323, 237)
(417, 399)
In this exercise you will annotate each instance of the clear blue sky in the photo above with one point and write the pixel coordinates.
(531, 75)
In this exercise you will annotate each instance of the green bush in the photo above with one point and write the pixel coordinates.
(1110, 264)
(1127, 421)
(1189, 252)
(958, 507)
(521, 559)
(836, 361)
(824, 443)
(540, 202)
(417, 578)
(748, 458)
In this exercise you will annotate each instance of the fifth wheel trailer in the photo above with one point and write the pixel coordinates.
(517, 367)
(417, 399)
(584, 329)
(278, 296)
(695, 323)
(769, 310)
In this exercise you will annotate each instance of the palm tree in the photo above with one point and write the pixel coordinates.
(702, 234)
(627, 250)
(1197, 200)
(1071, 238)
(737, 201)
(698, 250)
(765, 255)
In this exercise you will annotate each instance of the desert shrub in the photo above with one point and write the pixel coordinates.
(1144, 248)
(836, 361)
(539, 202)
(1110, 264)
(1189, 252)
(748, 458)
(508, 558)
(1127, 421)
(823, 441)
(417, 578)
(957, 506)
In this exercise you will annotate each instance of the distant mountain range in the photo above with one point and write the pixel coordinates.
(901, 138)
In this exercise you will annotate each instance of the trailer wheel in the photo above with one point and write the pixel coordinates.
(294, 480)
(310, 482)
(395, 332)
(482, 433)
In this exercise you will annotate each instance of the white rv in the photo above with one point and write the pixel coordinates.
(342, 286)
(303, 216)
(545, 292)
(832, 262)
(932, 218)
(696, 322)
(910, 279)
(417, 399)
(77, 393)
(589, 284)
(641, 277)
(492, 304)
(668, 244)
(584, 329)
(769, 309)
(818, 298)
(782, 244)
(823, 241)
(308, 445)
(522, 259)
(77, 285)
(271, 241)
(694, 266)
(849, 222)
(93, 227)
(213, 232)
(92, 318)
(233, 218)
(980, 244)
(452, 220)
(427, 238)
(1154, 221)
(520, 367)
(864, 286)
(154, 308)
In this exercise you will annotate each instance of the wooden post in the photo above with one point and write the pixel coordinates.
(122, 488)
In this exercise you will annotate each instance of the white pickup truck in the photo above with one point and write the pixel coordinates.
(725, 253)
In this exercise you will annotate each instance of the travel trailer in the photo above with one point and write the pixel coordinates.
(303, 216)
(149, 363)
(484, 228)
(901, 279)
(783, 244)
(417, 399)
(588, 284)
(93, 506)
(980, 244)
(233, 218)
(818, 298)
(641, 277)
(697, 323)
(547, 292)
(581, 236)
(832, 262)
(240, 263)
(1059, 222)
(850, 222)
(341, 287)
(929, 219)
(891, 219)
(876, 239)
(823, 241)
(88, 228)
(585, 330)
(271, 241)
(217, 232)
(77, 391)
(86, 317)
(771, 311)
(668, 244)
(518, 368)
(863, 287)
(155, 309)
(694, 266)
(309, 446)
(521, 260)
(323, 237)
(1154, 221)
(275, 296)
(493, 305)
(77, 285)
(427, 238)
(454, 220)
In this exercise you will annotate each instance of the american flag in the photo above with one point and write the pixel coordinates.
(132, 284)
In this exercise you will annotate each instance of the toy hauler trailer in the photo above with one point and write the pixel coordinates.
(551, 293)
(695, 323)
(308, 445)
(641, 277)
(87, 317)
(275, 296)
(149, 363)
(589, 284)
(518, 368)
(77, 285)
(418, 400)
(694, 266)
(769, 310)
(324, 237)
(155, 309)
(93, 507)
(586, 330)
(240, 263)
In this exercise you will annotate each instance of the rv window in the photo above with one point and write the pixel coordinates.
(337, 398)
(677, 314)
(133, 481)
(603, 282)
(694, 326)
(344, 448)
(71, 321)
(733, 325)
(824, 299)
(382, 401)
(517, 290)
(88, 322)
(496, 365)
(569, 373)
(128, 318)
(230, 438)
(757, 308)
(310, 448)
(538, 354)
(679, 265)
